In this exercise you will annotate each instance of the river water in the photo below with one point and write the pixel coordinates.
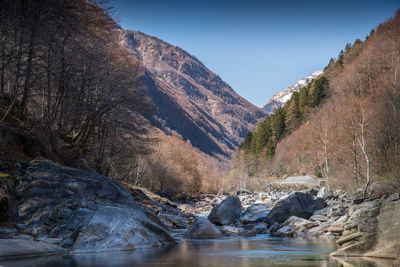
(261, 250)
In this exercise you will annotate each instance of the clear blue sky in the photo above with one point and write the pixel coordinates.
(257, 47)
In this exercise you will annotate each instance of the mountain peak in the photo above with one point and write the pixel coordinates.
(281, 97)
(190, 100)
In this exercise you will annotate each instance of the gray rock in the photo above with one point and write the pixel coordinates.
(255, 213)
(337, 226)
(283, 231)
(323, 211)
(297, 204)
(17, 249)
(274, 227)
(372, 231)
(318, 218)
(393, 197)
(87, 211)
(364, 206)
(202, 228)
(227, 212)
(297, 222)
(380, 188)
(229, 230)
(257, 228)
(338, 209)
(324, 193)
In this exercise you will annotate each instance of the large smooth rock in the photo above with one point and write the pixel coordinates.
(297, 204)
(255, 213)
(85, 210)
(202, 228)
(17, 249)
(227, 212)
(372, 230)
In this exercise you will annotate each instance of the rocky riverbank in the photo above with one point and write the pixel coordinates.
(362, 227)
(52, 209)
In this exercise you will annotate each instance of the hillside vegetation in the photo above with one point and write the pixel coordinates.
(344, 126)
(69, 91)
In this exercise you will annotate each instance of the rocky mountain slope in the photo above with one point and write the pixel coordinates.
(190, 100)
(281, 97)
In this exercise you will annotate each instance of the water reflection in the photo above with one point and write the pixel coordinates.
(253, 251)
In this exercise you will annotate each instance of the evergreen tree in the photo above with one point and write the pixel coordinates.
(319, 90)
(245, 145)
(339, 61)
(303, 99)
(292, 120)
(278, 123)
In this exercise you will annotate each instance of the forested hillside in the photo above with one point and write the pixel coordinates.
(69, 91)
(64, 71)
(344, 125)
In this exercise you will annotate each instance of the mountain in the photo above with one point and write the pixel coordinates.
(190, 100)
(280, 98)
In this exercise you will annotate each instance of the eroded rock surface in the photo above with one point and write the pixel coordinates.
(84, 210)
(372, 229)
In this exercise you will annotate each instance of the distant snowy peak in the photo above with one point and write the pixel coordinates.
(281, 97)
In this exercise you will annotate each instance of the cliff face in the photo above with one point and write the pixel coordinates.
(190, 100)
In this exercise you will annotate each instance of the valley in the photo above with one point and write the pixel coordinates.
(118, 148)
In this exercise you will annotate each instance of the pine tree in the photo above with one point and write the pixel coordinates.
(303, 99)
(318, 91)
(292, 120)
(278, 123)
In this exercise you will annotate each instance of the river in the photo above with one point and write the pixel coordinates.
(261, 250)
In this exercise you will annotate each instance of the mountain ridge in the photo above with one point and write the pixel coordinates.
(190, 100)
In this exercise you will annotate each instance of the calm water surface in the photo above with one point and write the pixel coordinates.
(261, 250)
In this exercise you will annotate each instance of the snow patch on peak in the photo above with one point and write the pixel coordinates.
(281, 97)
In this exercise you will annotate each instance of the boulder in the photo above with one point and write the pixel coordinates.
(297, 222)
(379, 189)
(283, 231)
(227, 212)
(257, 228)
(293, 227)
(297, 204)
(255, 213)
(85, 210)
(338, 209)
(202, 228)
(324, 193)
(353, 210)
(372, 230)
(229, 230)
